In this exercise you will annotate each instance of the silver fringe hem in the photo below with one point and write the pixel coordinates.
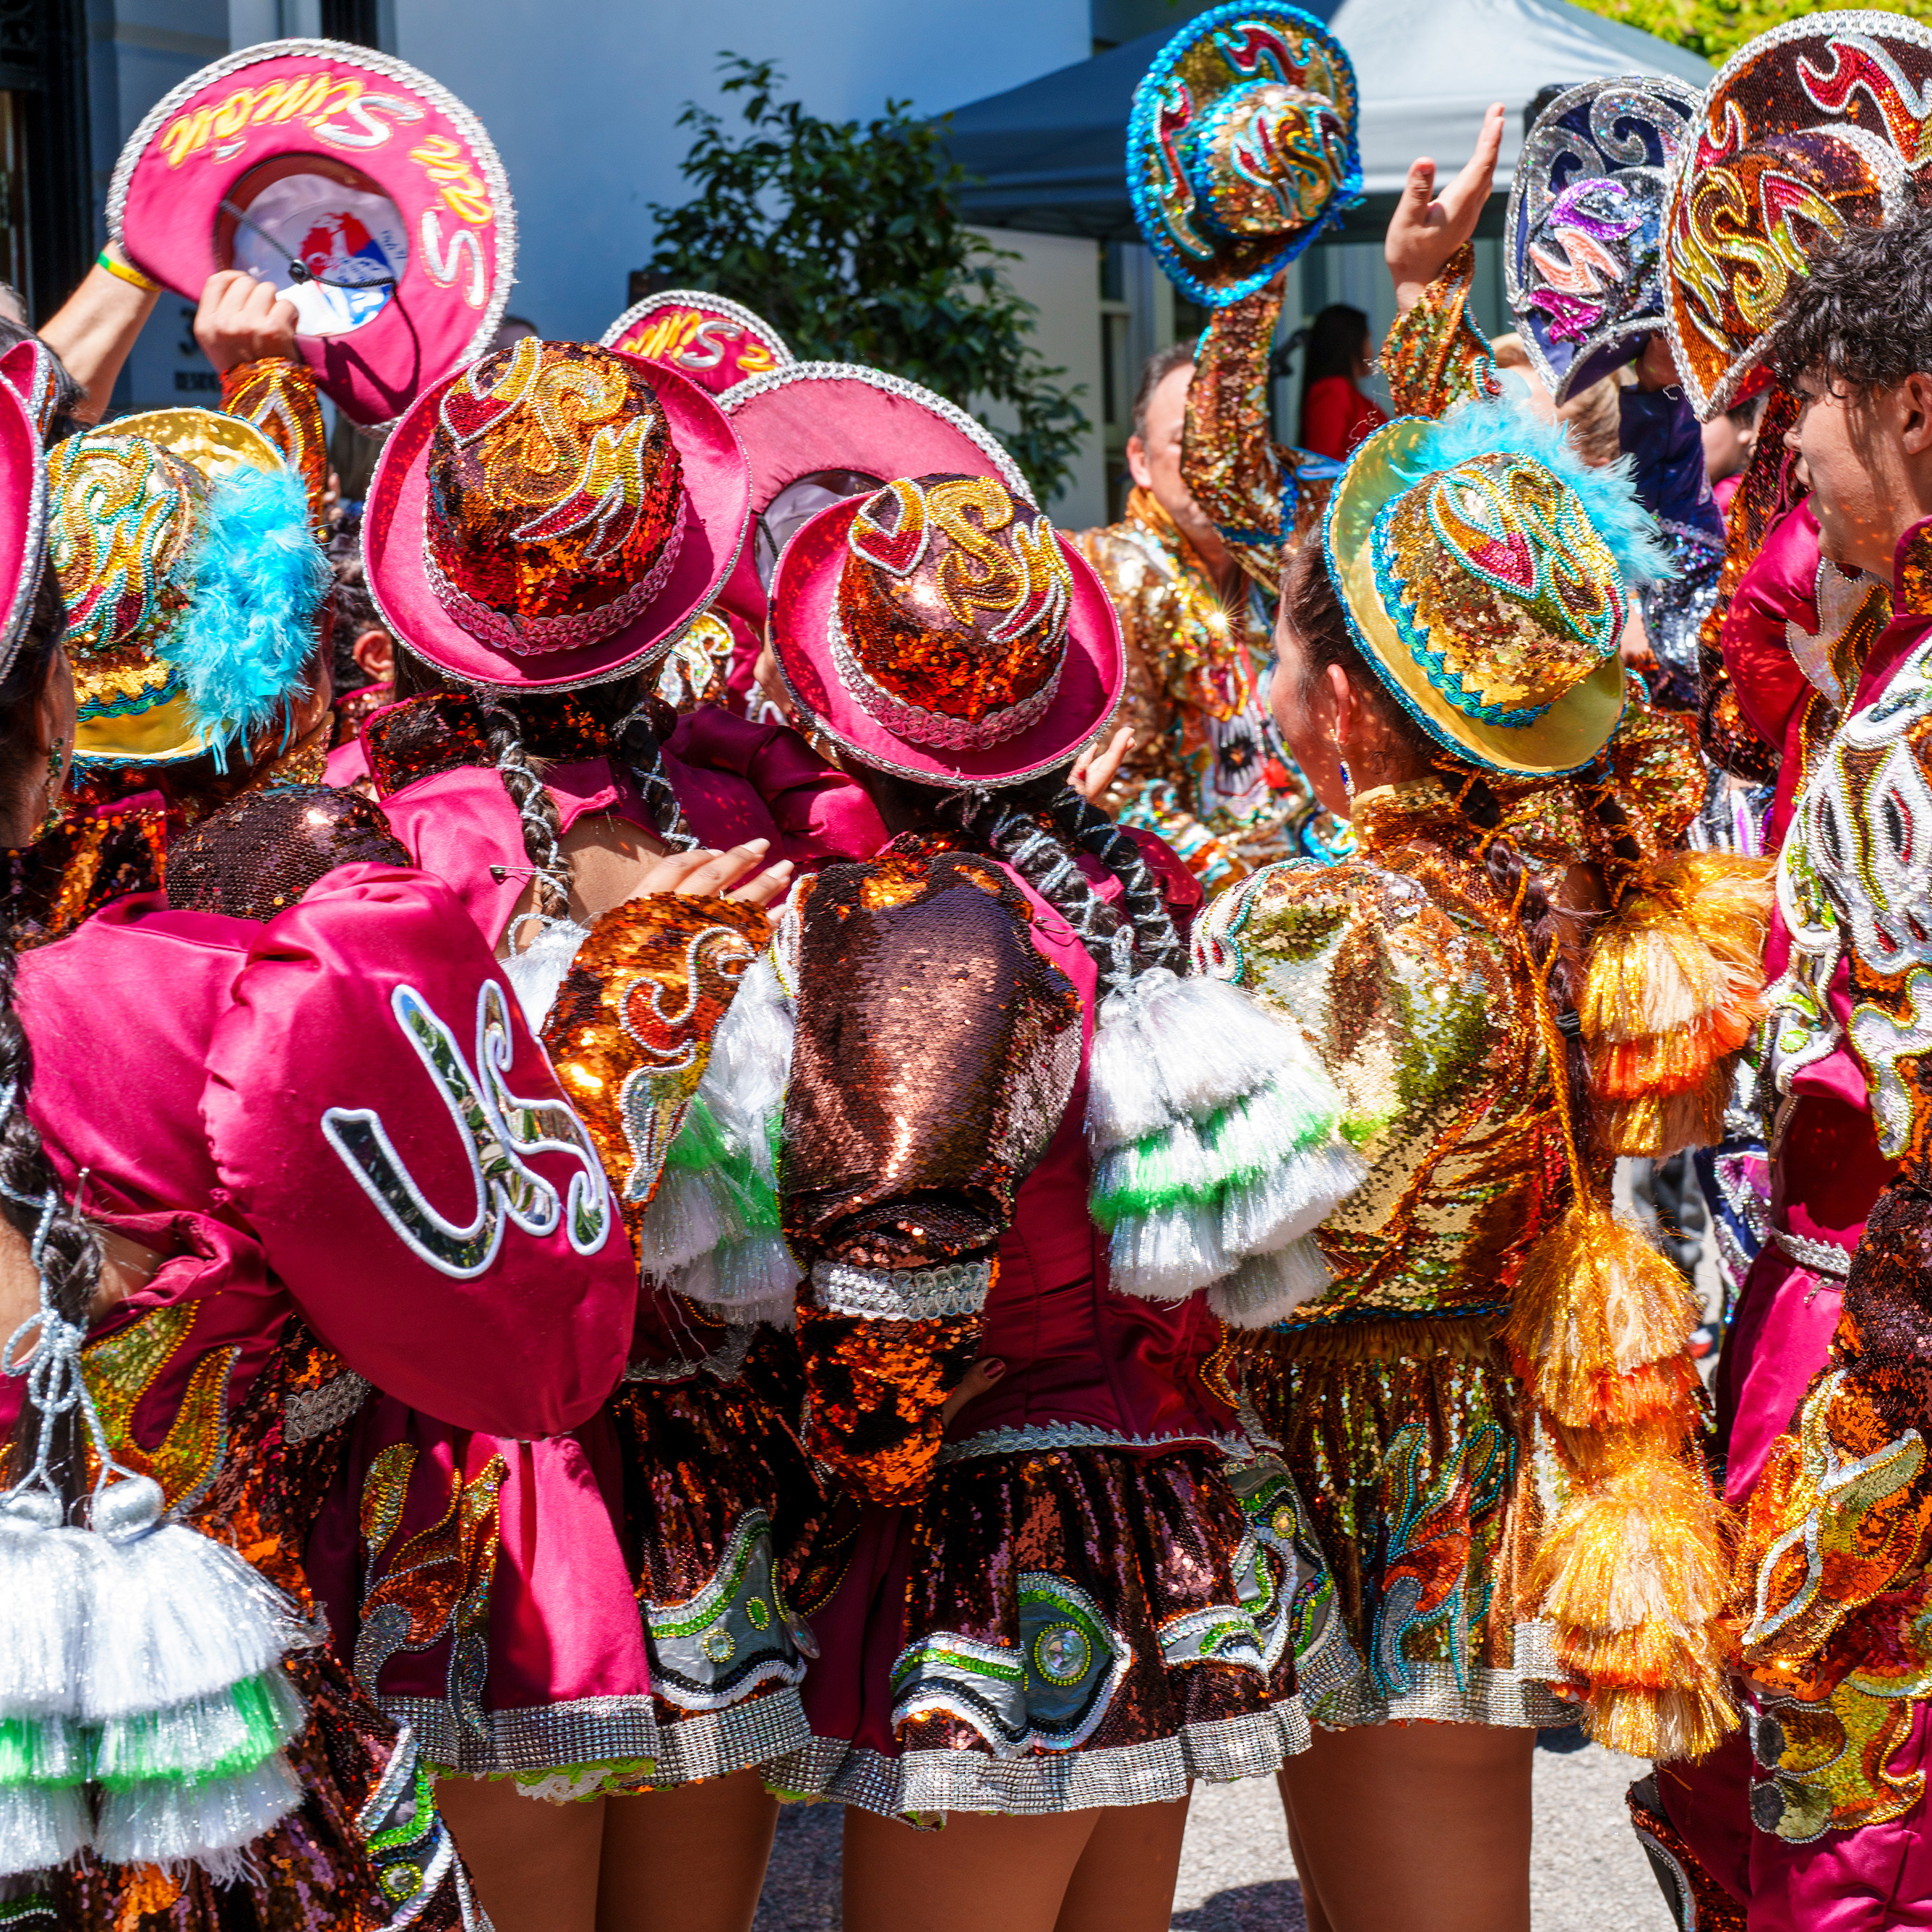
(1040, 1784)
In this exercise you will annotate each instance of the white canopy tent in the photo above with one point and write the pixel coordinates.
(1427, 72)
(1052, 155)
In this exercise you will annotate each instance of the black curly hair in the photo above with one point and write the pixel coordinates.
(1862, 318)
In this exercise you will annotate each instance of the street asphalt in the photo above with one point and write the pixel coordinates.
(1586, 1873)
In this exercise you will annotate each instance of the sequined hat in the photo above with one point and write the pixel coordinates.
(1583, 268)
(716, 342)
(942, 628)
(1482, 567)
(1242, 147)
(367, 193)
(816, 432)
(192, 584)
(23, 521)
(553, 515)
(1815, 127)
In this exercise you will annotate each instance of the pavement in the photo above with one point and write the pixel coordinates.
(1586, 1873)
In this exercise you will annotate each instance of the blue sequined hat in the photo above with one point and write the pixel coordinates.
(1242, 147)
(1585, 225)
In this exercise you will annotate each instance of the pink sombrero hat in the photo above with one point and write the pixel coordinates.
(30, 372)
(23, 521)
(983, 662)
(367, 193)
(551, 568)
(814, 433)
(717, 342)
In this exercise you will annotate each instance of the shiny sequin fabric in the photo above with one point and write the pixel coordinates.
(1208, 771)
(1241, 148)
(1434, 356)
(1835, 1638)
(252, 858)
(1401, 1421)
(281, 399)
(1264, 497)
(935, 1054)
(91, 857)
(1814, 127)
(557, 496)
(631, 1028)
(952, 604)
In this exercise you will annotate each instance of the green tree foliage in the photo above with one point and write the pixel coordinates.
(1716, 31)
(850, 240)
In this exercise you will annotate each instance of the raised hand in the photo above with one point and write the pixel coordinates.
(1427, 228)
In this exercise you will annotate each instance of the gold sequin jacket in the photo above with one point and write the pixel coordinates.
(1208, 771)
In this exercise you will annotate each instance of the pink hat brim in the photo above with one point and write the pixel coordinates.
(23, 520)
(420, 145)
(705, 337)
(813, 416)
(717, 505)
(804, 598)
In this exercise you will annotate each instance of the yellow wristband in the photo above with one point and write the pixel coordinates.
(128, 273)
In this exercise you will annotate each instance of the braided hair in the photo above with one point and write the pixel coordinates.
(1037, 828)
(634, 743)
(536, 810)
(70, 1254)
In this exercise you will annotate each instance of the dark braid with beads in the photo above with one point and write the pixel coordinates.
(1029, 828)
(543, 830)
(70, 1256)
(634, 740)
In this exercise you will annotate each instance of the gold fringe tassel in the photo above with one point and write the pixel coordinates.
(1676, 983)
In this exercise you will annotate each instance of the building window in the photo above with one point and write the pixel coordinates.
(47, 195)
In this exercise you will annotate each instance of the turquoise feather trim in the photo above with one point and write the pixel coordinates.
(250, 630)
(1484, 427)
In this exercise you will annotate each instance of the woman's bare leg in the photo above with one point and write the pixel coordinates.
(1311, 1903)
(1124, 1882)
(535, 1863)
(977, 1873)
(1424, 1826)
(691, 1860)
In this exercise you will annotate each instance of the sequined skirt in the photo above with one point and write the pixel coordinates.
(366, 1848)
(587, 1614)
(1052, 1631)
(1416, 1474)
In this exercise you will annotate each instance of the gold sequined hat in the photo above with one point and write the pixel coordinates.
(1242, 147)
(1818, 126)
(552, 515)
(1482, 565)
(941, 628)
(192, 583)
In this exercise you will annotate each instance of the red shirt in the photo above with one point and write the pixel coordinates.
(1335, 416)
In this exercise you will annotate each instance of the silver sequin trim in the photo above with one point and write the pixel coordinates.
(1525, 1697)
(309, 1413)
(736, 397)
(534, 636)
(1154, 1773)
(931, 727)
(598, 1730)
(753, 325)
(1824, 1258)
(1080, 1436)
(445, 103)
(900, 1294)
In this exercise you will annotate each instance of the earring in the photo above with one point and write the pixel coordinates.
(56, 791)
(1348, 781)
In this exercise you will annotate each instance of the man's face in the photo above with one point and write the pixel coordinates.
(1849, 439)
(1154, 456)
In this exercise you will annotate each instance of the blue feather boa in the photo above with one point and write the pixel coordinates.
(259, 579)
(1480, 428)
